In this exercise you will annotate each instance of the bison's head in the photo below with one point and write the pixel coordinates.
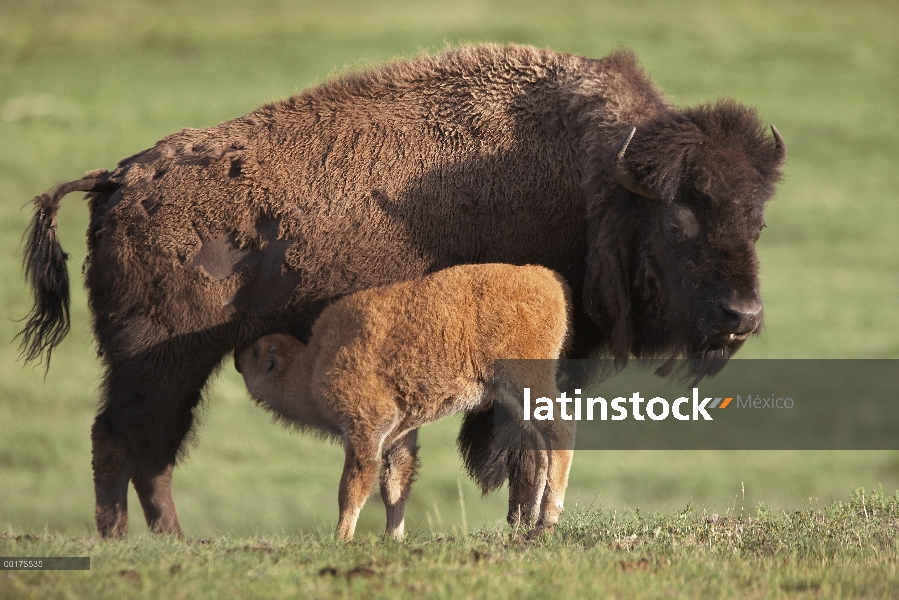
(676, 272)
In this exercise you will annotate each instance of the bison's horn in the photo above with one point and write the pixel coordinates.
(624, 175)
(780, 149)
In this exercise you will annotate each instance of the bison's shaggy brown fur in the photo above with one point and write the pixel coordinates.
(385, 361)
(214, 237)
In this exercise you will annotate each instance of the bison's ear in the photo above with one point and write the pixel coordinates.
(623, 173)
(780, 148)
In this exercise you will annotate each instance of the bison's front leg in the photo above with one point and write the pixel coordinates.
(397, 473)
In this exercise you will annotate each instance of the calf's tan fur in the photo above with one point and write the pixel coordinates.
(384, 361)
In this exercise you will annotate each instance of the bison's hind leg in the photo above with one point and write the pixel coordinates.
(147, 411)
(398, 468)
(113, 465)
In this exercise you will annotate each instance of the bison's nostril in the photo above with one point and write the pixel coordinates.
(740, 317)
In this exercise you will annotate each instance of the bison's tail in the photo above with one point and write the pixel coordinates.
(45, 269)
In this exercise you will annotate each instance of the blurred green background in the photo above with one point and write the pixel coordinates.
(84, 83)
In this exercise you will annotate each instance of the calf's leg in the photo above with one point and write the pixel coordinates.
(559, 438)
(398, 467)
(360, 469)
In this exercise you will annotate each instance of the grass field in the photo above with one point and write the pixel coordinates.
(842, 550)
(84, 83)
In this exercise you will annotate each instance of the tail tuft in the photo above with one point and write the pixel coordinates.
(45, 270)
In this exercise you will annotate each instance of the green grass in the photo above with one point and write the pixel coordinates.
(85, 83)
(844, 549)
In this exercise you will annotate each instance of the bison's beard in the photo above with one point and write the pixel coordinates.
(686, 339)
(695, 353)
(705, 358)
(710, 362)
(693, 367)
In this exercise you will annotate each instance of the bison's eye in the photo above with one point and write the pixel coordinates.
(679, 223)
(273, 349)
(673, 230)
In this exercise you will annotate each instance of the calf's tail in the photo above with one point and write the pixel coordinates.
(45, 270)
(484, 457)
(491, 443)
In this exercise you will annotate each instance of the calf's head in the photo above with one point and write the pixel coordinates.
(677, 249)
(264, 363)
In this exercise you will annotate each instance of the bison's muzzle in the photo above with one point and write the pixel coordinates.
(736, 320)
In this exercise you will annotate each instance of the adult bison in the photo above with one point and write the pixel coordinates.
(214, 237)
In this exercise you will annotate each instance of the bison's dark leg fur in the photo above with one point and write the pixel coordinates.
(147, 413)
(154, 489)
(153, 472)
(113, 466)
(156, 459)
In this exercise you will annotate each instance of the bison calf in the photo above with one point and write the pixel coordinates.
(384, 361)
